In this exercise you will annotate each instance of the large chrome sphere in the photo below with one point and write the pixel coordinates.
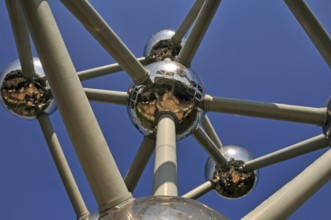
(162, 208)
(160, 46)
(231, 181)
(26, 97)
(174, 89)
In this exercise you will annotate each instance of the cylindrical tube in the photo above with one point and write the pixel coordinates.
(165, 166)
(298, 149)
(95, 24)
(62, 166)
(200, 190)
(139, 163)
(188, 21)
(291, 196)
(93, 152)
(313, 28)
(213, 151)
(22, 37)
(100, 95)
(309, 115)
(198, 31)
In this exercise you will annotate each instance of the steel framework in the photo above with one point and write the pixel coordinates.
(35, 18)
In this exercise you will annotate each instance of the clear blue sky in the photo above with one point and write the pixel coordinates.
(254, 50)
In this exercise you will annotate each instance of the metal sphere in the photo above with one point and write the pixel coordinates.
(231, 181)
(174, 89)
(160, 46)
(161, 208)
(26, 97)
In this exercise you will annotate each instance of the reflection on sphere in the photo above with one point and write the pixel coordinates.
(174, 89)
(160, 46)
(231, 181)
(26, 97)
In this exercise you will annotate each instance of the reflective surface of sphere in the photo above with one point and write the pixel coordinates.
(174, 89)
(26, 97)
(160, 46)
(231, 180)
(162, 208)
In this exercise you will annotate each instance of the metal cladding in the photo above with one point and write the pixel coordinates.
(26, 97)
(162, 207)
(160, 45)
(174, 89)
(231, 181)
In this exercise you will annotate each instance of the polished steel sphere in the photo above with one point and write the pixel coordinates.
(173, 89)
(160, 46)
(231, 181)
(26, 97)
(162, 208)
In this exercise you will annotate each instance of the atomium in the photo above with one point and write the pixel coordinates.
(176, 90)
(26, 97)
(167, 90)
(231, 180)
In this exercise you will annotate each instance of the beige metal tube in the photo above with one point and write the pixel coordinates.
(295, 150)
(188, 21)
(104, 70)
(200, 190)
(198, 31)
(100, 95)
(205, 141)
(139, 163)
(209, 128)
(22, 37)
(291, 196)
(165, 166)
(92, 150)
(62, 166)
(95, 24)
(302, 114)
(313, 28)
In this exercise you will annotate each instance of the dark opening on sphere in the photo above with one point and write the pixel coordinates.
(174, 89)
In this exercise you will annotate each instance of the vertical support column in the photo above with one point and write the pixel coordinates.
(291, 196)
(93, 152)
(165, 167)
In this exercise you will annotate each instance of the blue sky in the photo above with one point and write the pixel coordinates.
(254, 50)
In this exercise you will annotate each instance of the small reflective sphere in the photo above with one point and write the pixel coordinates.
(174, 89)
(26, 97)
(162, 208)
(231, 181)
(160, 46)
